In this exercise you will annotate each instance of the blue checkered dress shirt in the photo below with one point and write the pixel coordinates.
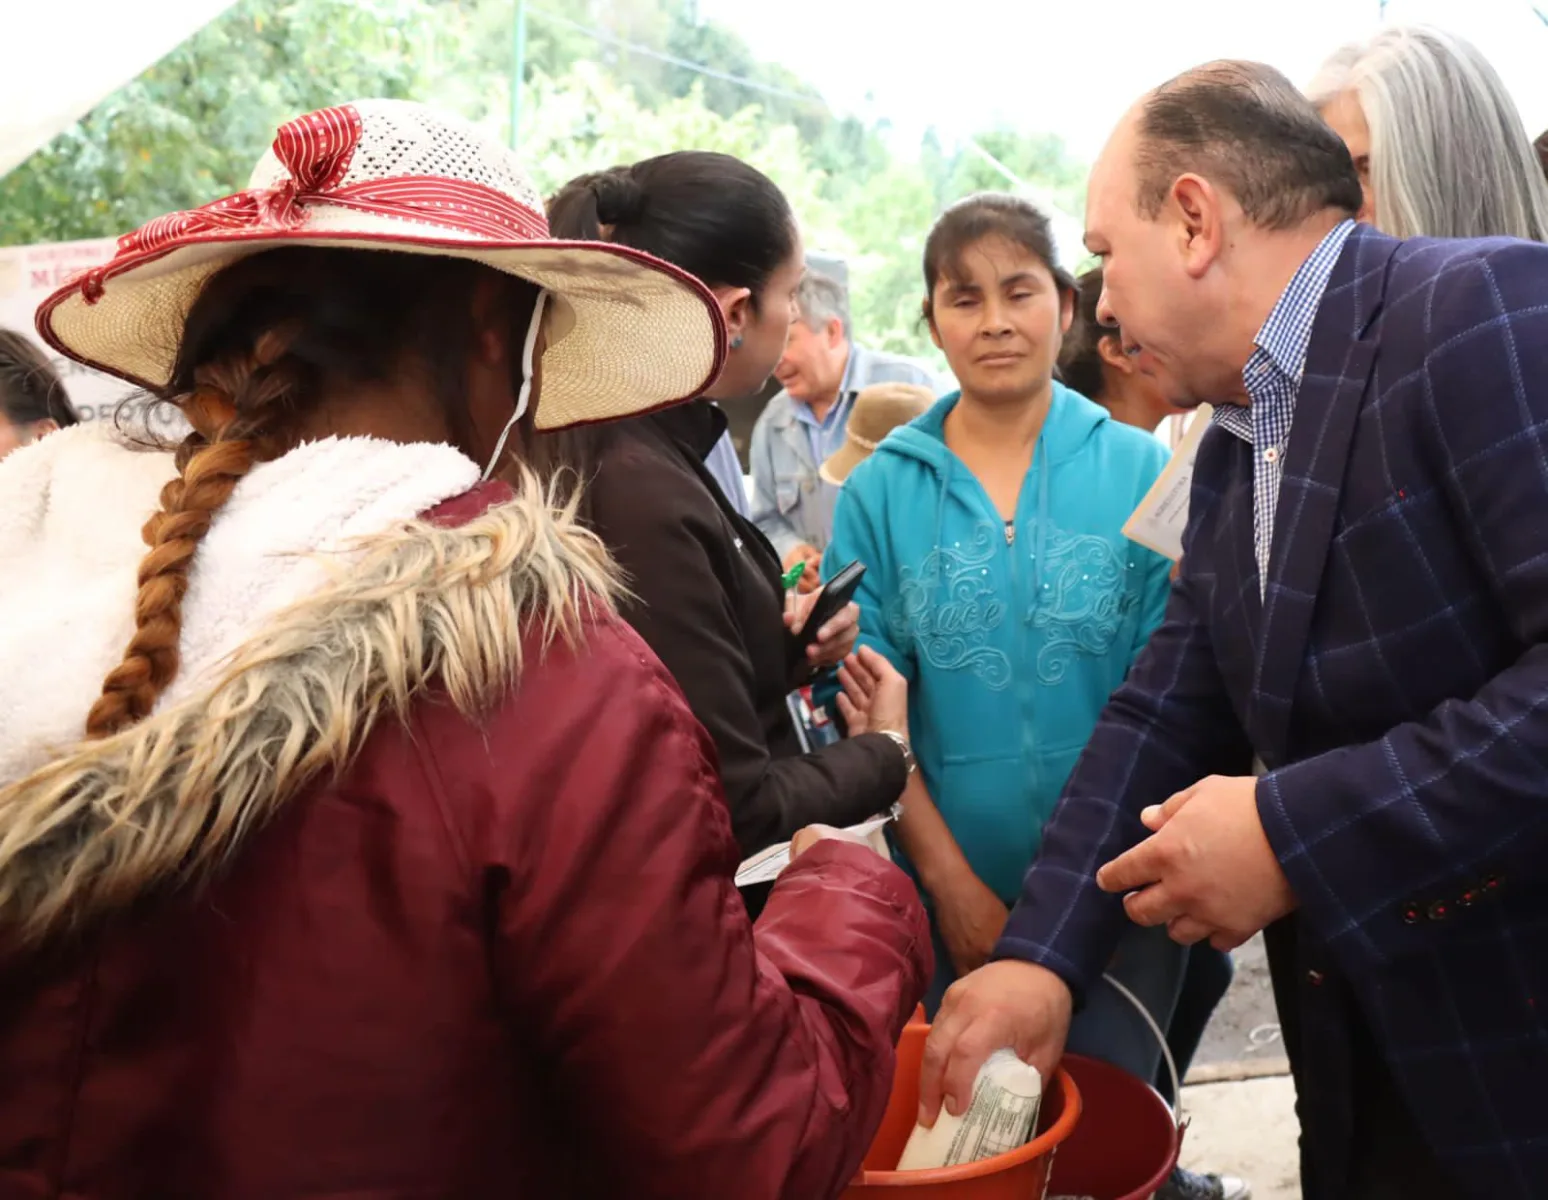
(1273, 377)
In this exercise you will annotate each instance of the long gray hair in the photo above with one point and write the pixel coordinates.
(1450, 156)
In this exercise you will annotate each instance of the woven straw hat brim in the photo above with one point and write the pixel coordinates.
(836, 468)
(643, 334)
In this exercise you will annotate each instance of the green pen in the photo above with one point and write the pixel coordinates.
(793, 576)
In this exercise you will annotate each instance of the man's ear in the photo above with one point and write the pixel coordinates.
(1199, 209)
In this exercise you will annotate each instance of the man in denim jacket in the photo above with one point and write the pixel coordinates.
(820, 373)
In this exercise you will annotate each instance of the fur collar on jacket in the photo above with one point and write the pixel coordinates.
(317, 604)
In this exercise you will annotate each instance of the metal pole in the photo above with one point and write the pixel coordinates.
(518, 67)
(1010, 176)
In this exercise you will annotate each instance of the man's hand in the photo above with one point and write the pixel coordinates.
(811, 578)
(1015, 1004)
(971, 919)
(1208, 871)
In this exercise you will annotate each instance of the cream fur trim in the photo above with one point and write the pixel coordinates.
(164, 803)
(70, 550)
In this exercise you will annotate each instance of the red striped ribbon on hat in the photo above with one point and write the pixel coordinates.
(456, 204)
(316, 151)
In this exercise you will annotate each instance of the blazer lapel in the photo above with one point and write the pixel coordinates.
(1242, 548)
(1338, 367)
(1222, 557)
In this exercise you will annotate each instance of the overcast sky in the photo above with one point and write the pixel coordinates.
(1072, 67)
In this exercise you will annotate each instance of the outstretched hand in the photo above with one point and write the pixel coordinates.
(875, 695)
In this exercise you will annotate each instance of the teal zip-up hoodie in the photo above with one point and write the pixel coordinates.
(1011, 643)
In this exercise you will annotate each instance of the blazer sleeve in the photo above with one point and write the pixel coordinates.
(1153, 599)
(1424, 813)
(1157, 569)
(710, 1057)
(765, 509)
(1167, 726)
(668, 537)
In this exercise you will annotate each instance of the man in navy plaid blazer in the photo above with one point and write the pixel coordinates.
(1340, 731)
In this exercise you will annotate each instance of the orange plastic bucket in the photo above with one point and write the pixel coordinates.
(1015, 1176)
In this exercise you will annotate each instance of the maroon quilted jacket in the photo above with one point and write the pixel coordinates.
(484, 947)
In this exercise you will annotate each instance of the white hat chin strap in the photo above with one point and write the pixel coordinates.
(525, 395)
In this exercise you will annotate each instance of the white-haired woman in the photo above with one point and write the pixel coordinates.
(1439, 144)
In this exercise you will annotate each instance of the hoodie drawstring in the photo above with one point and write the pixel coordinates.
(939, 540)
(1041, 466)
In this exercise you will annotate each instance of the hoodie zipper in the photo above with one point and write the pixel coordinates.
(1024, 602)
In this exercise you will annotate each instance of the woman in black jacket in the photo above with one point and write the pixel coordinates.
(708, 594)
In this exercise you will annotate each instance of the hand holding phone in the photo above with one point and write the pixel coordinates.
(832, 599)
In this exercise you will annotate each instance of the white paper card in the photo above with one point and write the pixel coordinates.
(766, 865)
(1162, 515)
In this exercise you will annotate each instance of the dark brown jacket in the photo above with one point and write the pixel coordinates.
(708, 601)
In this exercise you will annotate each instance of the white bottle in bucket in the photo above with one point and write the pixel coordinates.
(1000, 1118)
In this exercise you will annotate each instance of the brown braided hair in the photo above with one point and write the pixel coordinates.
(210, 463)
(266, 340)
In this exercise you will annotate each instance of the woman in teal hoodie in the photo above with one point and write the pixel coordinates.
(1000, 585)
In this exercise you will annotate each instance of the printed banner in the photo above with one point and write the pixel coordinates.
(28, 275)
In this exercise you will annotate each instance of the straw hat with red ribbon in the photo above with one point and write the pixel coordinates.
(626, 333)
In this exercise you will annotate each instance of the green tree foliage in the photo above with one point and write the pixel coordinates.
(191, 127)
(605, 84)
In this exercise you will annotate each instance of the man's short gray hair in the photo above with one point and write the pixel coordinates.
(1246, 127)
(821, 299)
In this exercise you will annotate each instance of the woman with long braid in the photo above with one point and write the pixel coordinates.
(350, 843)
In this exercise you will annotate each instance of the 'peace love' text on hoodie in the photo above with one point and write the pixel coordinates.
(1011, 647)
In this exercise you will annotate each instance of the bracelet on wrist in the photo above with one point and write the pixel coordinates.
(901, 743)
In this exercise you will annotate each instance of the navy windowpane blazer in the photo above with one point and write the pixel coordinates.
(1394, 679)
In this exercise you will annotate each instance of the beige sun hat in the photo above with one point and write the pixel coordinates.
(878, 410)
(627, 333)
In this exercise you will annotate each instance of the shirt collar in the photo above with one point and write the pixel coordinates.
(847, 384)
(1286, 335)
(846, 395)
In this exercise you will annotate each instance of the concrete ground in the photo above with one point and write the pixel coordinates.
(1245, 1028)
(1241, 1105)
(1245, 1128)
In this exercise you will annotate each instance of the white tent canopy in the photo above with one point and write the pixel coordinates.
(65, 56)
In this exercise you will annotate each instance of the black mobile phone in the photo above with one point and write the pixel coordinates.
(835, 594)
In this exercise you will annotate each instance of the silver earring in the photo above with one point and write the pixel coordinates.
(736, 342)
